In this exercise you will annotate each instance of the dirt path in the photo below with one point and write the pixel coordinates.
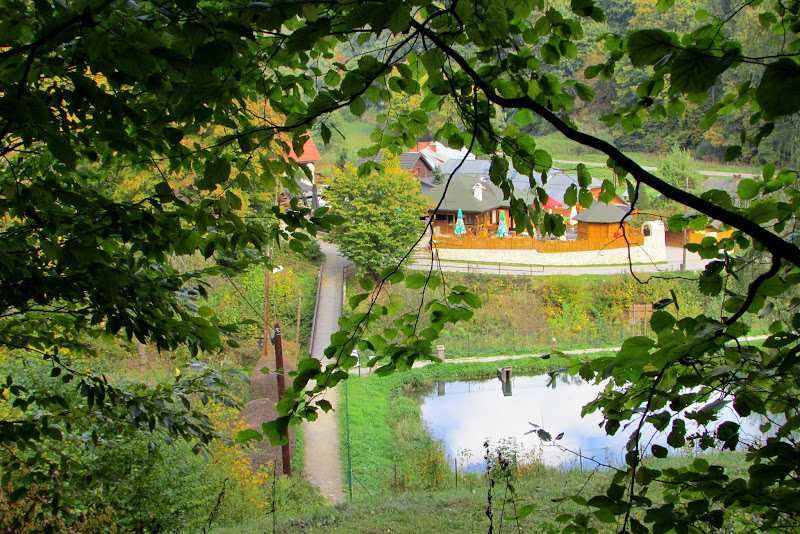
(322, 462)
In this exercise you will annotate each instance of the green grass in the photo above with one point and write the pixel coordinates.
(349, 135)
(462, 510)
(562, 148)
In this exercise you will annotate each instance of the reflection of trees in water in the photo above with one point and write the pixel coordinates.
(566, 379)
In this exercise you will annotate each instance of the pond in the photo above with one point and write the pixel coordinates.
(465, 414)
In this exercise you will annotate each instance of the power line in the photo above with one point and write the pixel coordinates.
(250, 304)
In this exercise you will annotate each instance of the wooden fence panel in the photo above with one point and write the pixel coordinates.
(527, 243)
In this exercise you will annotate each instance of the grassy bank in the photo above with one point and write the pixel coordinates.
(463, 510)
(522, 315)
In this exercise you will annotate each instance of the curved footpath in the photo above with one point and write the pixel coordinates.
(321, 437)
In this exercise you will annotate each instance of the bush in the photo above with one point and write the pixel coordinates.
(313, 252)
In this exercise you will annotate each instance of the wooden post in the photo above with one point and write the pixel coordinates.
(285, 453)
(141, 352)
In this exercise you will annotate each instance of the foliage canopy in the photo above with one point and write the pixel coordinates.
(192, 90)
(382, 214)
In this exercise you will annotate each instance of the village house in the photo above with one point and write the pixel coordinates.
(415, 162)
(479, 200)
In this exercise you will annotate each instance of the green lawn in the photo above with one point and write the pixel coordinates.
(351, 136)
(563, 149)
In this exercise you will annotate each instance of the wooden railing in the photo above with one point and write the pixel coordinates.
(527, 243)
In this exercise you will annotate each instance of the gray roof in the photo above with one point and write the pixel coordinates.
(460, 195)
(731, 185)
(407, 160)
(480, 167)
(602, 213)
(558, 182)
(426, 184)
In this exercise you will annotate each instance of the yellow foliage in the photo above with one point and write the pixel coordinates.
(233, 460)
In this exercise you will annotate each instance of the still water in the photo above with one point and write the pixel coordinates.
(465, 414)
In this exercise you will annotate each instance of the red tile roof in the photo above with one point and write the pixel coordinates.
(422, 145)
(310, 153)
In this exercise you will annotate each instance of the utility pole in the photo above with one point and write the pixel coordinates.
(266, 304)
(297, 329)
(683, 265)
(285, 454)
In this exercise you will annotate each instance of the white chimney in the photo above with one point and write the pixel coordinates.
(477, 191)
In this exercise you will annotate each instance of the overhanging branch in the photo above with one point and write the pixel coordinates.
(777, 246)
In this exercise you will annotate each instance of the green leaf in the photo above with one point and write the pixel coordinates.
(696, 71)
(523, 117)
(310, 11)
(277, 431)
(61, 148)
(543, 160)
(748, 189)
(571, 195)
(416, 280)
(550, 54)
(647, 47)
(358, 106)
(659, 451)
(217, 171)
(778, 93)
(355, 300)
(366, 284)
(584, 176)
(677, 437)
(733, 152)
(432, 60)
(661, 320)
(498, 170)
(472, 300)
(526, 510)
(245, 436)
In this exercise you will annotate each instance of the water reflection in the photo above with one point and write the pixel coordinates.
(465, 414)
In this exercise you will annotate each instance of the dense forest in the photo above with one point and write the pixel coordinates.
(705, 125)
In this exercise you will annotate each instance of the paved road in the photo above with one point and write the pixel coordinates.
(322, 464)
(703, 172)
(674, 261)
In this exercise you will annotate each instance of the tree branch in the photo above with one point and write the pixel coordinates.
(776, 245)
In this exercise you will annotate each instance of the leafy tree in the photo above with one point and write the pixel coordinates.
(91, 94)
(678, 169)
(382, 214)
(89, 89)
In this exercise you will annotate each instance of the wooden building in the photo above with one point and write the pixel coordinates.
(480, 201)
(602, 220)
